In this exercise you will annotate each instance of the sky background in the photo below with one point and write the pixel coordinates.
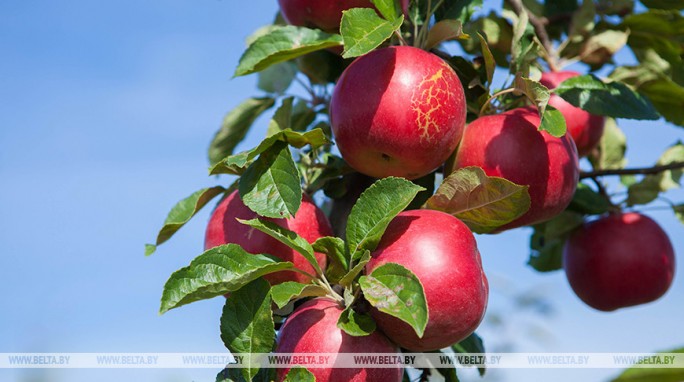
(106, 112)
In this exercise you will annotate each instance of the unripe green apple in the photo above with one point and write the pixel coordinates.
(309, 222)
(397, 111)
(510, 146)
(586, 129)
(441, 251)
(312, 328)
(619, 260)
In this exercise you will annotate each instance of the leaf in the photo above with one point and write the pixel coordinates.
(552, 121)
(355, 324)
(490, 63)
(181, 213)
(659, 374)
(471, 344)
(483, 203)
(612, 147)
(284, 292)
(299, 374)
(588, 201)
(444, 30)
(348, 278)
(237, 164)
(389, 9)
(283, 43)
(548, 238)
(333, 248)
(679, 212)
(667, 97)
(287, 237)
(277, 78)
(374, 210)
(247, 323)
(449, 374)
(235, 126)
(395, 290)
(524, 48)
(220, 270)
(461, 10)
(582, 21)
(650, 186)
(363, 30)
(600, 48)
(663, 4)
(612, 99)
(271, 186)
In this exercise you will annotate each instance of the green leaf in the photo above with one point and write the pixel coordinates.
(524, 48)
(355, 324)
(482, 202)
(461, 10)
(472, 344)
(582, 22)
(548, 238)
(588, 201)
(389, 9)
(297, 117)
(663, 4)
(679, 212)
(613, 99)
(235, 126)
(395, 290)
(490, 63)
(277, 78)
(642, 374)
(449, 374)
(333, 248)
(552, 121)
(287, 291)
(287, 237)
(667, 97)
(247, 323)
(600, 48)
(374, 210)
(363, 30)
(650, 186)
(237, 164)
(220, 270)
(612, 147)
(283, 43)
(271, 186)
(348, 278)
(444, 30)
(181, 213)
(299, 374)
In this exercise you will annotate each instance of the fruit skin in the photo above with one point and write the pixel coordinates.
(585, 128)
(441, 251)
(620, 260)
(312, 328)
(398, 111)
(322, 14)
(309, 222)
(508, 145)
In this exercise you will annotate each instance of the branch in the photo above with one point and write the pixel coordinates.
(539, 29)
(632, 171)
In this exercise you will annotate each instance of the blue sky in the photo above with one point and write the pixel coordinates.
(106, 111)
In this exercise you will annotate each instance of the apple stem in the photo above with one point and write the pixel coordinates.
(632, 171)
(401, 38)
(495, 95)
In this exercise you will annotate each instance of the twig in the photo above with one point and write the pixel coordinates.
(632, 171)
(539, 29)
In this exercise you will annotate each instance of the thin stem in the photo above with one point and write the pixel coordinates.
(539, 29)
(401, 38)
(632, 171)
(502, 92)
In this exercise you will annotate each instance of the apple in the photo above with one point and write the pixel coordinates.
(322, 14)
(586, 129)
(309, 222)
(397, 111)
(312, 328)
(441, 251)
(510, 146)
(619, 260)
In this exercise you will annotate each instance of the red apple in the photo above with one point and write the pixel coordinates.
(510, 146)
(312, 328)
(322, 14)
(309, 222)
(397, 111)
(619, 260)
(441, 251)
(586, 129)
